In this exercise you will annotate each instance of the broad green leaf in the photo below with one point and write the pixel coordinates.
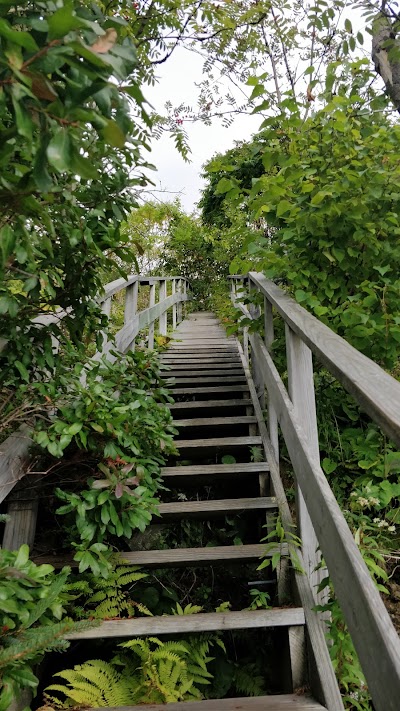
(63, 21)
(284, 206)
(113, 135)
(19, 37)
(59, 151)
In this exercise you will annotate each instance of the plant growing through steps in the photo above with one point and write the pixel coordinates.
(146, 671)
(117, 422)
(106, 598)
(277, 537)
(32, 620)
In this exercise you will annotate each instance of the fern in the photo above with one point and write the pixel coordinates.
(109, 597)
(147, 671)
(248, 681)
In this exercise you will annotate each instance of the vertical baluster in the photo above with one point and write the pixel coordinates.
(174, 308)
(131, 302)
(179, 305)
(106, 309)
(301, 392)
(162, 323)
(269, 339)
(151, 327)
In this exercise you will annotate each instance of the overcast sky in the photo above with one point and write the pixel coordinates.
(177, 84)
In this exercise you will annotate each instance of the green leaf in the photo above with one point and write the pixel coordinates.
(224, 185)
(113, 135)
(283, 207)
(22, 370)
(63, 21)
(59, 151)
(19, 37)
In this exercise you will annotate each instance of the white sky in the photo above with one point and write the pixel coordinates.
(177, 84)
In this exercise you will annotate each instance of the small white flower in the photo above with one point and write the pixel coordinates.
(353, 493)
(392, 529)
(373, 501)
(376, 520)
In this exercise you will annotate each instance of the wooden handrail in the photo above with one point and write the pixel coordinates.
(374, 389)
(374, 637)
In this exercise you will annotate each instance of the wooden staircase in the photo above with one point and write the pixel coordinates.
(216, 413)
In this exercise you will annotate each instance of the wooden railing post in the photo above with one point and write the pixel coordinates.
(302, 395)
(179, 306)
(152, 301)
(106, 309)
(269, 337)
(131, 302)
(162, 323)
(174, 308)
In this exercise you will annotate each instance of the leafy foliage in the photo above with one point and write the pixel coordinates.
(151, 671)
(31, 620)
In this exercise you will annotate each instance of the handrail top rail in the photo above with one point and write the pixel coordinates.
(113, 287)
(376, 391)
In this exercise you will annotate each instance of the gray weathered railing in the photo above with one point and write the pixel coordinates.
(321, 521)
(172, 293)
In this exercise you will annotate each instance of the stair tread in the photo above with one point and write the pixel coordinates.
(218, 442)
(209, 372)
(176, 557)
(216, 389)
(185, 380)
(218, 505)
(220, 367)
(200, 404)
(284, 702)
(202, 622)
(215, 469)
(215, 421)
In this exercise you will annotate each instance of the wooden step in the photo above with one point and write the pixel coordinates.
(218, 470)
(215, 421)
(193, 380)
(189, 624)
(205, 363)
(284, 702)
(208, 404)
(181, 349)
(177, 557)
(212, 368)
(202, 446)
(216, 389)
(214, 507)
(200, 358)
(195, 374)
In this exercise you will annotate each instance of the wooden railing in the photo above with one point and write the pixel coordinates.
(172, 292)
(321, 522)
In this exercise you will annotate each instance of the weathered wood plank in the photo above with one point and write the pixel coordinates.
(189, 624)
(174, 558)
(14, 456)
(204, 390)
(199, 363)
(302, 395)
(212, 367)
(325, 686)
(286, 702)
(195, 381)
(208, 404)
(215, 421)
(376, 391)
(217, 469)
(211, 372)
(366, 616)
(215, 506)
(216, 443)
(21, 526)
